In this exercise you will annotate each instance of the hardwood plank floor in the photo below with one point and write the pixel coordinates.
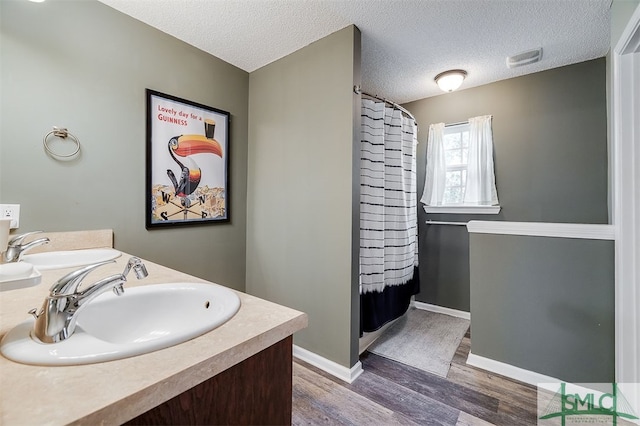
(390, 393)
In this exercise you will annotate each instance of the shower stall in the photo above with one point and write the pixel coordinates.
(388, 213)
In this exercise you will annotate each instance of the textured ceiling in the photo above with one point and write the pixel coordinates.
(405, 43)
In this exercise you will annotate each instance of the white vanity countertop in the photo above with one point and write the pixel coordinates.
(117, 391)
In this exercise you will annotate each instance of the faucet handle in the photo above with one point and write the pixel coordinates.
(17, 240)
(70, 282)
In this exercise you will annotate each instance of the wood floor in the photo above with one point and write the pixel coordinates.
(390, 393)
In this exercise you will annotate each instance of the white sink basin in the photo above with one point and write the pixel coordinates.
(144, 319)
(69, 258)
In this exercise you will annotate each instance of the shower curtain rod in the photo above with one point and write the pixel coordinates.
(439, 222)
(358, 91)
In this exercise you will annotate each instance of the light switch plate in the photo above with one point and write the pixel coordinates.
(12, 211)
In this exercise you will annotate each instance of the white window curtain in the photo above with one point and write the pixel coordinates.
(480, 189)
(436, 172)
(481, 182)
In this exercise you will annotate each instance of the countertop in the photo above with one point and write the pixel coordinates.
(116, 391)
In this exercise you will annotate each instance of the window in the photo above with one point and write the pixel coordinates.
(456, 155)
(459, 175)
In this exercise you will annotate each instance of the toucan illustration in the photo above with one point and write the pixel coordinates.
(184, 146)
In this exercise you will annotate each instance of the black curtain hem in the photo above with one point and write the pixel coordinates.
(379, 308)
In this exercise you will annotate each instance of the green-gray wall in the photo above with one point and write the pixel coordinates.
(544, 304)
(550, 150)
(300, 217)
(84, 66)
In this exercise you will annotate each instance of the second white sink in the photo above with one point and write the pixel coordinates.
(69, 258)
(142, 320)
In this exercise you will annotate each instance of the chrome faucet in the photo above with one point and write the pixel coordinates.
(57, 318)
(15, 248)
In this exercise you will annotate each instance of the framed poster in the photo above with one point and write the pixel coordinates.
(187, 162)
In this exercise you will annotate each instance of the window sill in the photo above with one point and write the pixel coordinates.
(463, 209)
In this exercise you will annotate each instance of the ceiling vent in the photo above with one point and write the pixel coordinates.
(524, 58)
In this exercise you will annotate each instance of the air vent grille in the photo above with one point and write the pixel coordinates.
(524, 58)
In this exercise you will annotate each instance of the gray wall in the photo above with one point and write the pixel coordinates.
(85, 66)
(301, 189)
(550, 150)
(545, 305)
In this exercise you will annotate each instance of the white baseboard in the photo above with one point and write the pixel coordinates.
(548, 383)
(343, 373)
(510, 371)
(442, 310)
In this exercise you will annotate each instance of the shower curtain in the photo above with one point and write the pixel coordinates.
(388, 215)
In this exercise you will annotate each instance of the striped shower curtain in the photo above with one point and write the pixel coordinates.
(388, 215)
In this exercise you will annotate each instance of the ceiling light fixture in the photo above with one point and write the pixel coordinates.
(450, 80)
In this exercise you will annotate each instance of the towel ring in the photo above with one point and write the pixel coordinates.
(61, 133)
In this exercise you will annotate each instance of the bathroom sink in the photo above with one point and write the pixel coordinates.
(144, 319)
(69, 258)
